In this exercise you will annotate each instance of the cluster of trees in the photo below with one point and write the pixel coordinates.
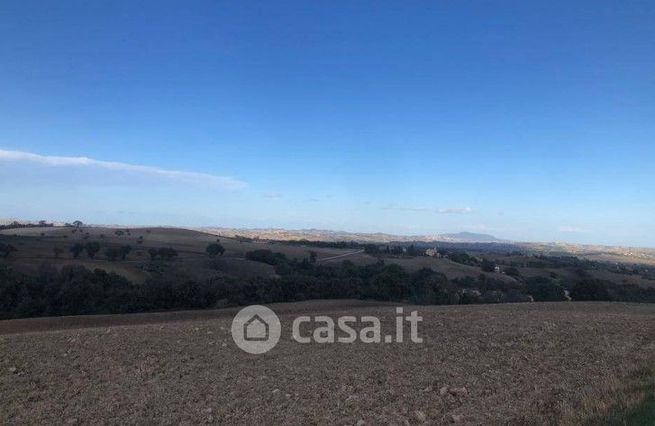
(267, 256)
(92, 248)
(163, 253)
(15, 224)
(114, 253)
(77, 290)
(463, 258)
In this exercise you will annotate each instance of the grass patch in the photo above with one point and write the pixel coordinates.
(630, 401)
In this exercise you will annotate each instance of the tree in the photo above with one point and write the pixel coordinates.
(591, 289)
(430, 288)
(112, 253)
(153, 253)
(77, 223)
(92, 247)
(167, 253)
(57, 251)
(76, 249)
(266, 256)
(391, 284)
(544, 289)
(125, 250)
(512, 272)
(215, 249)
(371, 249)
(487, 265)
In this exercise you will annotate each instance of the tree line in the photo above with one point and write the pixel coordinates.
(75, 290)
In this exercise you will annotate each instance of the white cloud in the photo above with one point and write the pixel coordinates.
(405, 208)
(455, 210)
(571, 229)
(221, 182)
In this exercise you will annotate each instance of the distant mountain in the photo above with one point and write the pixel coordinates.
(471, 237)
(327, 235)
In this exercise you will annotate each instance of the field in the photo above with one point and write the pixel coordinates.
(36, 246)
(536, 363)
(526, 363)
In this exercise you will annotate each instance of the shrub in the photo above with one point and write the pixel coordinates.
(512, 272)
(153, 253)
(76, 249)
(215, 249)
(92, 248)
(544, 289)
(591, 289)
(112, 253)
(125, 250)
(167, 253)
(266, 256)
(487, 265)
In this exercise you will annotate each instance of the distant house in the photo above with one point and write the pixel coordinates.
(432, 252)
(497, 269)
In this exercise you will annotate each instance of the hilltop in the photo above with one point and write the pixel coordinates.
(335, 236)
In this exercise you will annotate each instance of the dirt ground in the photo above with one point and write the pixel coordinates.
(482, 364)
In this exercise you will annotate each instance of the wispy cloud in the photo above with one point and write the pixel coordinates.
(455, 210)
(221, 182)
(406, 208)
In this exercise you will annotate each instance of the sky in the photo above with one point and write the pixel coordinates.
(528, 120)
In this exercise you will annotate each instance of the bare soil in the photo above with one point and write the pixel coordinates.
(482, 364)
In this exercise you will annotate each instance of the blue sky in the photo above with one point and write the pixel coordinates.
(526, 120)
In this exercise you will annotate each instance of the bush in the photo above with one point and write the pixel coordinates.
(76, 249)
(92, 248)
(125, 250)
(112, 253)
(591, 289)
(512, 272)
(463, 258)
(545, 289)
(266, 256)
(432, 288)
(215, 249)
(487, 265)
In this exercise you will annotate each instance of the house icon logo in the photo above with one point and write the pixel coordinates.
(256, 329)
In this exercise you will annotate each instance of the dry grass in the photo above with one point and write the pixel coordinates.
(618, 401)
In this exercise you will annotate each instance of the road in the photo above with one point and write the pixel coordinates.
(341, 255)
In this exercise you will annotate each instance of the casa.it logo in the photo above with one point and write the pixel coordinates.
(256, 329)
